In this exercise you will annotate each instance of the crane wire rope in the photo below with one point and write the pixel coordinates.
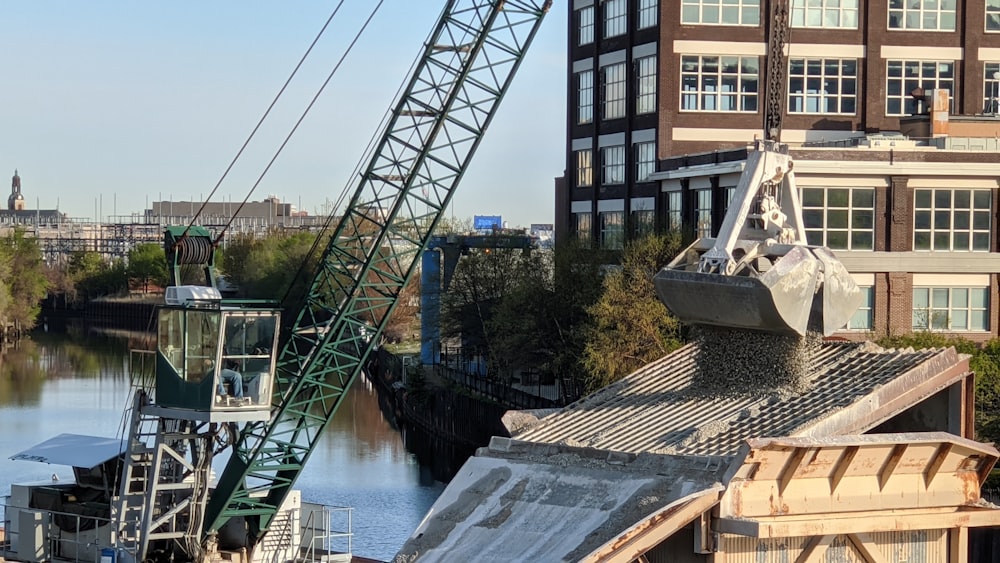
(301, 118)
(366, 155)
(263, 117)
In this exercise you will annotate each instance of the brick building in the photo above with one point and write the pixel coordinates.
(650, 79)
(663, 98)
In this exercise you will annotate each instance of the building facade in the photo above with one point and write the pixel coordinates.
(648, 80)
(664, 97)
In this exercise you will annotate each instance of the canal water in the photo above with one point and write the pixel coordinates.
(77, 383)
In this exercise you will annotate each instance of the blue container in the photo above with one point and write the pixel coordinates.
(108, 555)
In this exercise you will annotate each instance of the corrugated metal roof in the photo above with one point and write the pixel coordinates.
(518, 501)
(656, 409)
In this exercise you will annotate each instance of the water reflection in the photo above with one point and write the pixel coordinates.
(78, 383)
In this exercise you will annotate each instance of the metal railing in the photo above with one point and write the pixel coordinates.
(56, 543)
(318, 537)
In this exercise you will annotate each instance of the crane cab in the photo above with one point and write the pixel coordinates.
(215, 359)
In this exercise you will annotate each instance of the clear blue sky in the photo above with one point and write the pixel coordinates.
(108, 106)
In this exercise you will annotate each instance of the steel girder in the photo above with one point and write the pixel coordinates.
(438, 121)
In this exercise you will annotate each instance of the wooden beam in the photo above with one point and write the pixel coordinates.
(934, 465)
(841, 467)
(815, 549)
(865, 544)
(848, 523)
(791, 466)
(958, 545)
(703, 537)
(890, 465)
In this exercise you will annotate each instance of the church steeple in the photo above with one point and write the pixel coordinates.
(16, 201)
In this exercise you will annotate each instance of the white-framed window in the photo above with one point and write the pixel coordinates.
(645, 91)
(672, 213)
(951, 308)
(719, 83)
(645, 160)
(946, 219)
(902, 77)
(613, 165)
(585, 96)
(584, 168)
(839, 218)
(615, 18)
(823, 86)
(613, 91)
(728, 192)
(725, 12)
(643, 222)
(992, 15)
(991, 87)
(648, 14)
(927, 15)
(585, 26)
(582, 225)
(703, 213)
(612, 229)
(864, 317)
(826, 14)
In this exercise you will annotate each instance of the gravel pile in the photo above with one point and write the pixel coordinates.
(732, 362)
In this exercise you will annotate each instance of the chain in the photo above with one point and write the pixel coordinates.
(776, 61)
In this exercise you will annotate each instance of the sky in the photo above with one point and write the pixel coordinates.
(107, 106)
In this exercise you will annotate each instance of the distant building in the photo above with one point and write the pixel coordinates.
(249, 216)
(16, 215)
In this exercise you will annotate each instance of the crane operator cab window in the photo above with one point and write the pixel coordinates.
(215, 359)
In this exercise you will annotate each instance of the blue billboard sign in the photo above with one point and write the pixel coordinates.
(486, 222)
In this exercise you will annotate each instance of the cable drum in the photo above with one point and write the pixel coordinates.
(194, 250)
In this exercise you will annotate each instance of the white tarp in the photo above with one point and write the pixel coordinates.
(74, 450)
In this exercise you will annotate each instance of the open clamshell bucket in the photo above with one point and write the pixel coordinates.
(779, 300)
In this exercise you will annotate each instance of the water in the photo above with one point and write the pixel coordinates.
(78, 384)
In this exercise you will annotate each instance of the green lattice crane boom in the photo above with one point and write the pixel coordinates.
(437, 124)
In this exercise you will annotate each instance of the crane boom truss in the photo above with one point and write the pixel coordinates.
(436, 126)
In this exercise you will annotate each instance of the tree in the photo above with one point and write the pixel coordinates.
(147, 263)
(630, 326)
(540, 323)
(22, 276)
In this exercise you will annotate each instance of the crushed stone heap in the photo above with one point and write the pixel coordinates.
(734, 362)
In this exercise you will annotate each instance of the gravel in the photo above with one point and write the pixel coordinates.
(739, 362)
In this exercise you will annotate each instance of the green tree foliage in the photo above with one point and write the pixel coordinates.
(538, 323)
(265, 267)
(23, 283)
(147, 264)
(630, 326)
(92, 276)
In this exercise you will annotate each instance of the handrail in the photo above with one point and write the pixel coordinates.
(55, 542)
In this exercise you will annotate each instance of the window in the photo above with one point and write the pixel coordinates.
(839, 218)
(673, 211)
(584, 168)
(822, 86)
(645, 160)
(614, 18)
(827, 14)
(585, 96)
(951, 308)
(585, 27)
(613, 165)
(648, 14)
(582, 227)
(905, 76)
(946, 219)
(991, 87)
(992, 15)
(642, 222)
(725, 12)
(613, 84)
(645, 91)
(864, 317)
(713, 83)
(929, 15)
(728, 192)
(703, 213)
(612, 234)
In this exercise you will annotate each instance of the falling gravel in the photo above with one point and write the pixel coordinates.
(733, 362)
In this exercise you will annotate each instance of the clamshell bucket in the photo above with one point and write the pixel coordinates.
(779, 301)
